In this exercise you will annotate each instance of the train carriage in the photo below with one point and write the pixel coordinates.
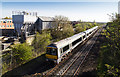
(58, 50)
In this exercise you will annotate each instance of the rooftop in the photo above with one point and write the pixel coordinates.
(43, 18)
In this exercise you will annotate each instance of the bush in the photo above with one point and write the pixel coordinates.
(22, 52)
(67, 31)
(78, 29)
(62, 28)
(41, 41)
(109, 62)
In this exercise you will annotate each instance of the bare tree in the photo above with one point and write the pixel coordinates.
(60, 22)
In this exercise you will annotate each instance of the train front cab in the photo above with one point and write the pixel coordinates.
(51, 54)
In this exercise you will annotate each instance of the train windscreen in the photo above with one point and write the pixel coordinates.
(52, 51)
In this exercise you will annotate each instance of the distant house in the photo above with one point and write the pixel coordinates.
(6, 27)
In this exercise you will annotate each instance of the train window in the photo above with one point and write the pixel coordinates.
(52, 51)
(80, 39)
(65, 48)
(76, 41)
(84, 36)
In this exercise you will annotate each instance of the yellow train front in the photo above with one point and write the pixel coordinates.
(51, 53)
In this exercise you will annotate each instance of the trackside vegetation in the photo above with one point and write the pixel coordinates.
(109, 60)
(62, 28)
(22, 53)
(82, 26)
(40, 42)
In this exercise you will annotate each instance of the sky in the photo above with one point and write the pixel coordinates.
(59, 0)
(82, 10)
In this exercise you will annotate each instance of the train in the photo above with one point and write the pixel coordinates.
(57, 51)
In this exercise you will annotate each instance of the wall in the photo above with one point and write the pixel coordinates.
(29, 19)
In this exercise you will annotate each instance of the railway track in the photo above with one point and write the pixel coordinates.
(45, 66)
(62, 63)
(72, 66)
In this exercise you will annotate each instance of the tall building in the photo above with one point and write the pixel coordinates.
(6, 27)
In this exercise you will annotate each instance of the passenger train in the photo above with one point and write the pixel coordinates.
(58, 50)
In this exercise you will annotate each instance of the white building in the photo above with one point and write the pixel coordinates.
(23, 22)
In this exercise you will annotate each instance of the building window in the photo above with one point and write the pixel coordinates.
(10, 25)
(10, 21)
(7, 25)
(7, 21)
(3, 26)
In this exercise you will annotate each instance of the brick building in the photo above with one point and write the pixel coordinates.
(6, 27)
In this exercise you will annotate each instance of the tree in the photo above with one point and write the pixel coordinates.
(62, 28)
(22, 52)
(41, 41)
(78, 29)
(110, 50)
(7, 18)
(60, 22)
(68, 31)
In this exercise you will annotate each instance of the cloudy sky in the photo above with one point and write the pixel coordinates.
(75, 10)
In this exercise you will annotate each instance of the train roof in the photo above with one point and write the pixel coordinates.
(68, 40)
(89, 30)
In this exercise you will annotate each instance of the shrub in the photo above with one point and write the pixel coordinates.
(22, 52)
(41, 41)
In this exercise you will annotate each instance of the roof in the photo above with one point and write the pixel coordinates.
(89, 30)
(68, 40)
(43, 18)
